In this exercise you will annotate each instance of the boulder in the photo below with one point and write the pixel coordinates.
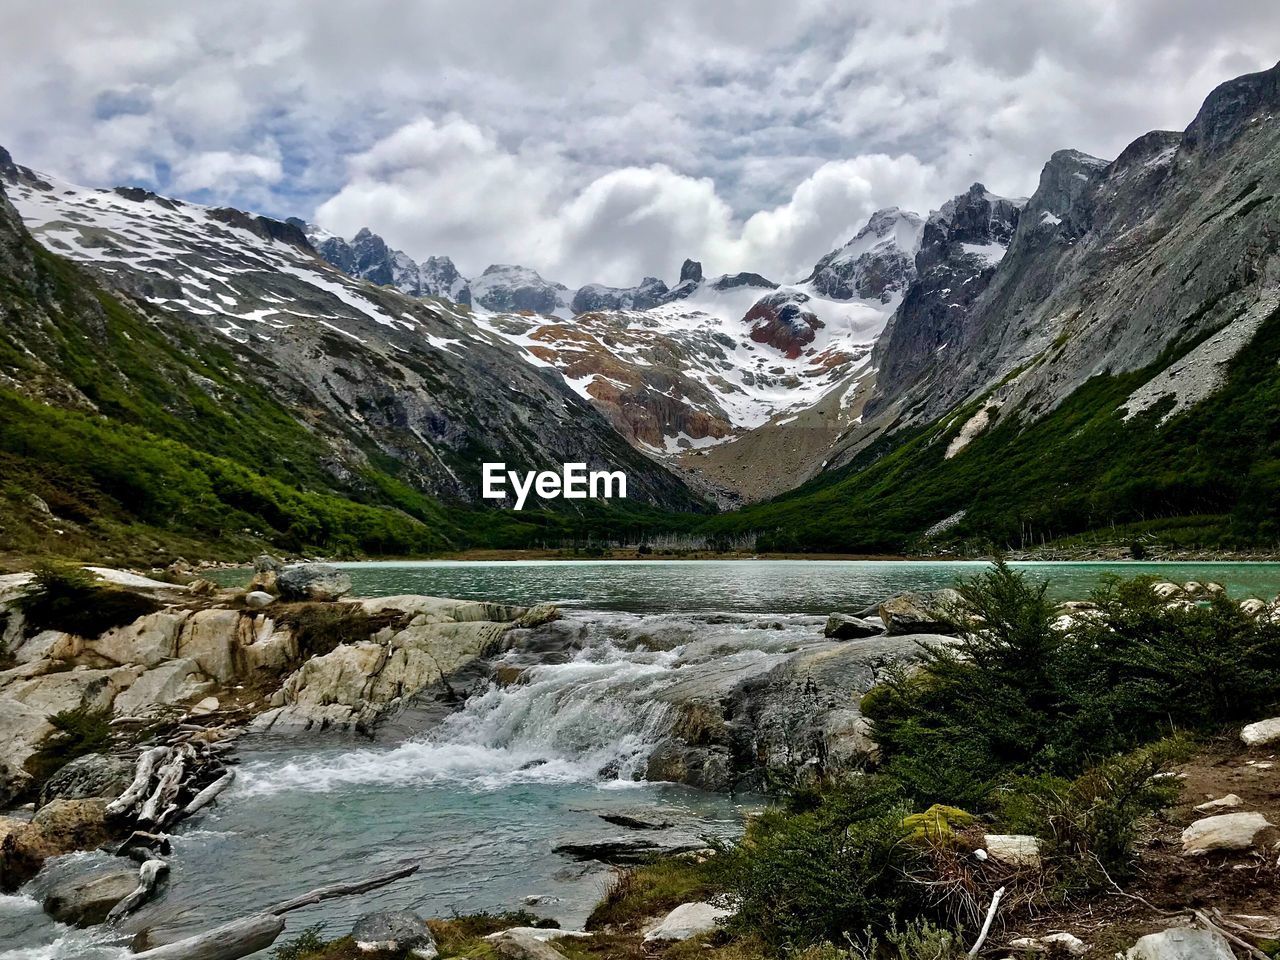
(24, 728)
(843, 626)
(1013, 849)
(84, 901)
(48, 645)
(57, 828)
(1057, 944)
(257, 599)
(313, 581)
(163, 685)
(212, 638)
(1252, 607)
(56, 692)
(1229, 802)
(1181, 943)
(394, 931)
(518, 944)
(919, 612)
(95, 775)
(149, 640)
(1166, 590)
(1226, 831)
(686, 921)
(1261, 733)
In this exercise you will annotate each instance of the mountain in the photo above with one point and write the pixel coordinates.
(1106, 355)
(389, 391)
(878, 262)
(367, 257)
(505, 287)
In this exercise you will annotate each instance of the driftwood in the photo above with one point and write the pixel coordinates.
(141, 781)
(986, 924)
(167, 787)
(342, 890)
(209, 794)
(149, 875)
(233, 940)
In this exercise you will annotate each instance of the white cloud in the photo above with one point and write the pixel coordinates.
(586, 135)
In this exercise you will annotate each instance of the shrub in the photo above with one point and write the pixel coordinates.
(77, 732)
(653, 889)
(66, 598)
(812, 875)
(303, 945)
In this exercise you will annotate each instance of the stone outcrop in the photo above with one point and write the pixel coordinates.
(356, 684)
(313, 581)
(83, 901)
(59, 827)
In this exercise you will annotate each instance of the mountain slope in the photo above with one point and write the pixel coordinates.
(1116, 366)
(385, 379)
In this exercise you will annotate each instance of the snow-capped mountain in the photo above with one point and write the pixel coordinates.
(877, 263)
(506, 287)
(419, 382)
(368, 257)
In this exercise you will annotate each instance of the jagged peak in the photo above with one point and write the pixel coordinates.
(691, 271)
(1229, 108)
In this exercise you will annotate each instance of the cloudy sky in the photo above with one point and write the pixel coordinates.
(603, 140)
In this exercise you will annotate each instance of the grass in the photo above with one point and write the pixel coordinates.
(67, 598)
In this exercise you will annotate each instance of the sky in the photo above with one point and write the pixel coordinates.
(603, 141)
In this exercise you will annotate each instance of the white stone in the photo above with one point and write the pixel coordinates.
(538, 933)
(123, 578)
(1013, 849)
(257, 599)
(207, 705)
(1227, 831)
(1181, 943)
(1262, 732)
(1072, 944)
(149, 640)
(1222, 803)
(48, 644)
(686, 921)
(211, 638)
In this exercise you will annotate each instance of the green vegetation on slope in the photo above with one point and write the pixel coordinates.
(1209, 477)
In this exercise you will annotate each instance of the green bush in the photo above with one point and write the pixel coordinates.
(77, 732)
(67, 598)
(804, 876)
(1017, 696)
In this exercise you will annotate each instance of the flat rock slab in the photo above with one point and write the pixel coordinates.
(1181, 943)
(686, 921)
(1013, 849)
(516, 944)
(1227, 831)
(83, 902)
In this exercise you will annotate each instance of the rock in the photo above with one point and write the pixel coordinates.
(257, 599)
(82, 902)
(1222, 803)
(266, 572)
(202, 587)
(686, 921)
(207, 705)
(1166, 590)
(24, 728)
(313, 581)
(1227, 831)
(166, 684)
(517, 944)
(1013, 850)
(1262, 732)
(1181, 943)
(842, 626)
(394, 931)
(1060, 942)
(148, 641)
(919, 612)
(59, 691)
(48, 645)
(212, 638)
(1252, 607)
(59, 827)
(87, 777)
(626, 851)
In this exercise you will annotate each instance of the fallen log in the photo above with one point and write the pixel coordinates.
(233, 940)
(342, 890)
(167, 787)
(208, 794)
(141, 781)
(149, 875)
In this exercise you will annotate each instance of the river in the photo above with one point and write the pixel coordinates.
(481, 800)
